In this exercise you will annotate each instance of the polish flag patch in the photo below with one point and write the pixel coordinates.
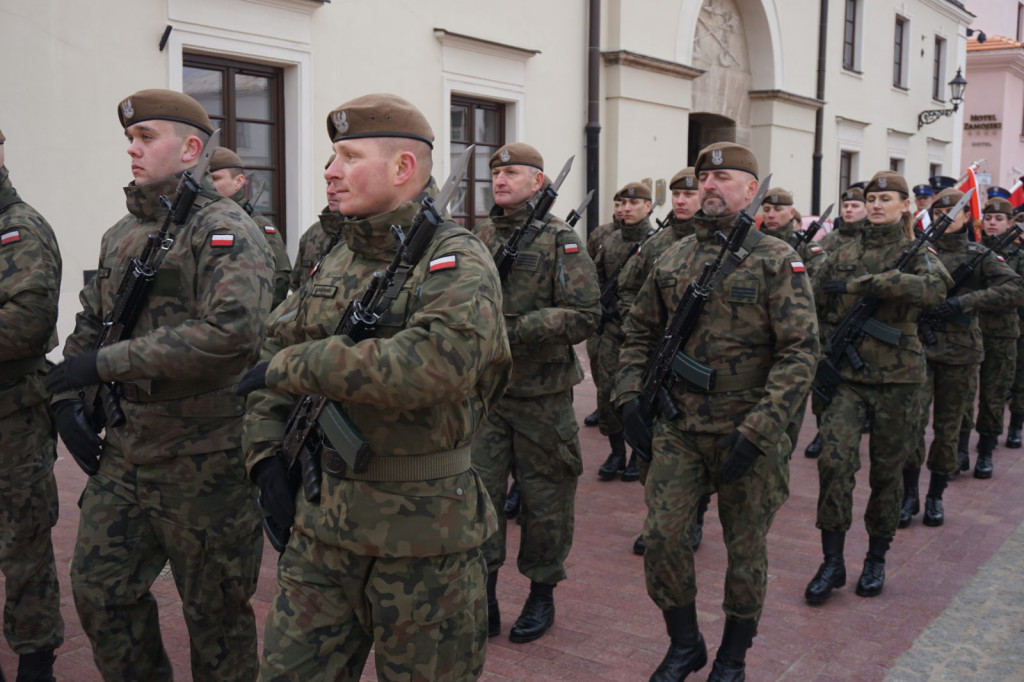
(572, 248)
(1000, 258)
(222, 240)
(10, 237)
(797, 266)
(443, 263)
(815, 249)
(270, 229)
(932, 251)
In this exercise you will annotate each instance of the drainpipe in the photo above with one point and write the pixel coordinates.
(593, 112)
(819, 115)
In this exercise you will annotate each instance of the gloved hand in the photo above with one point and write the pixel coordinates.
(78, 434)
(77, 372)
(834, 286)
(742, 455)
(636, 427)
(254, 379)
(271, 477)
(948, 308)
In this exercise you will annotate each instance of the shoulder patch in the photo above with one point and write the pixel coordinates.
(1000, 258)
(572, 247)
(932, 251)
(10, 237)
(270, 229)
(222, 240)
(797, 266)
(443, 263)
(816, 249)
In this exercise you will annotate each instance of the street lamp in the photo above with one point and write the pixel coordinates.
(956, 96)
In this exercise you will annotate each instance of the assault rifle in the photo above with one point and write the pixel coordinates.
(316, 420)
(103, 401)
(807, 236)
(509, 251)
(667, 362)
(577, 213)
(928, 320)
(860, 322)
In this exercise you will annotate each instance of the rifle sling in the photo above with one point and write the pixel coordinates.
(400, 468)
(700, 378)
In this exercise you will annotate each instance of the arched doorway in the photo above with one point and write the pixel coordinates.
(707, 129)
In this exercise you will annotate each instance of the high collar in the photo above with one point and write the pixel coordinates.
(372, 237)
(144, 201)
(783, 233)
(331, 222)
(636, 232)
(876, 235)
(705, 226)
(952, 242)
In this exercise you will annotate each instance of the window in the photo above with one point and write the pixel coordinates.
(934, 169)
(245, 101)
(896, 165)
(846, 170)
(939, 69)
(899, 47)
(850, 36)
(479, 122)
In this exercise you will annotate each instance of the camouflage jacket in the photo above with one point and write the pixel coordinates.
(619, 248)
(550, 301)
(1005, 323)
(422, 385)
(993, 286)
(1015, 259)
(758, 325)
(30, 270)
(637, 269)
(282, 265)
(598, 236)
(314, 245)
(841, 233)
(199, 328)
(812, 255)
(865, 264)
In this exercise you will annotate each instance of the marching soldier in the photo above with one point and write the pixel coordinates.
(782, 221)
(996, 221)
(594, 241)
(318, 239)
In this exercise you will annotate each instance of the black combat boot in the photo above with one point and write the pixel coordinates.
(616, 461)
(36, 667)
(983, 467)
(698, 532)
(537, 616)
(933, 513)
(632, 472)
(814, 449)
(963, 457)
(592, 419)
(1013, 434)
(493, 614)
(873, 578)
(639, 546)
(911, 498)
(512, 501)
(831, 574)
(687, 652)
(730, 661)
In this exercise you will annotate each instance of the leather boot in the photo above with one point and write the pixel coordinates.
(814, 449)
(687, 652)
(639, 546)
(631, 473)
(872, 580)
(592, 419)
(616, 461)
(933, 513)
(493, 614)
(36, 667)
(983, 467)
(911, 498)
(1013, 433)
(537, 616)
(831, 574)
(963, 457)
(512, 501)
(730, 661)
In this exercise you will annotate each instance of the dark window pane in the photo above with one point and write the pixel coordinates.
(255, 143)
(258, 188)
(460, 131)
(252, 97)
(487, 122)
(207, 87)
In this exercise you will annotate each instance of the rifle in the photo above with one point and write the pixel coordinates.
(860, 322)
(509, 251)
(102, 401)
(928, 320)
(250, 205)
(668, 362)
(807, 236)
(314, 419)
(577, 213)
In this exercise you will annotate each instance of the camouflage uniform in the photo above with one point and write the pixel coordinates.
(550, 302)
(812, 255)
(637, 269)
(314, 244)
(1015, 259)
(282, 265)
(841, 233)
(30, 269)
(171, 484)
(390, 558)
(759, 332)
(594, 341)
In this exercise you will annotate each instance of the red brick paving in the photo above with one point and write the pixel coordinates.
(608, 629)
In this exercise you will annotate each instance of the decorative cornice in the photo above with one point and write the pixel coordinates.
(787, 97)
(648, 63)
(447, 37)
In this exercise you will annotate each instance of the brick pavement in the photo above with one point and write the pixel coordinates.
(608, 629)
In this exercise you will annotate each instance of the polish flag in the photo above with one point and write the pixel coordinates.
(1017, 193)
(968, 182)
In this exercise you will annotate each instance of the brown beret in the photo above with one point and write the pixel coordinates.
(999, 205)
(726, 155)
(684, 179)
(853, 194)
(887, 181)
(163, 105)
(947, 198)
(635, 190)
(778, 197)
(379, 115)
(225, 158)
(517, 154)
(330, 161)
(2, 138)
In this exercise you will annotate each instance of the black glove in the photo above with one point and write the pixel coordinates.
(252, 380)
(834, 286)
(948, 308)
(742, 455)
(636, 427)
(271, 476)
(78, 435)
(77, 372)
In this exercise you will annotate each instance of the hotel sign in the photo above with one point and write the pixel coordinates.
(983, 122)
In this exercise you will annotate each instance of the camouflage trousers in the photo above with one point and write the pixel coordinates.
(425, 617)
(28, 510)
(949, 391)
(994, 380)
(684, 467)
(1017, 388)
(539, 437)
(604, 365)
(886, 408)
(196, 512)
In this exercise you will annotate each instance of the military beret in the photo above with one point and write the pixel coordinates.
(378, 115)
(163, 105)
(999, 205)
(858, 185)
(777, 196)
(1000, 192)
(887, 181)
(853, 194)
(2, 138)
(225, 158)
(684, 179)
(923, 191)
(727, 156)
(635, 190)
(330, 160)
(940, 182)
(947, 198)
(517, 154)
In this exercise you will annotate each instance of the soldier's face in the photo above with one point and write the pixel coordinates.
(886, 207)
(362, 178)
(923, 201)
(725, 191)
(995, 224)
(776, 216)
(854, 211)
(157, 151)
(226, 184)
(635, 210)
(514, 185)
(332, 198)
(685, 203)
(617, 210)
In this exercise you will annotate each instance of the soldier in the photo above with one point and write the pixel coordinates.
(594, 241)
(923, 197)
(318, 239)
(781, 221)
(879, 392)
(229, 178)
(550, 301)
(759, 333)
(169, 484)
(389, 557)
(998, 217)
(953, 346)
(853, 216)
(30, 268)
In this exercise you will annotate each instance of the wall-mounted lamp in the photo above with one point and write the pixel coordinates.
(956, 97)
